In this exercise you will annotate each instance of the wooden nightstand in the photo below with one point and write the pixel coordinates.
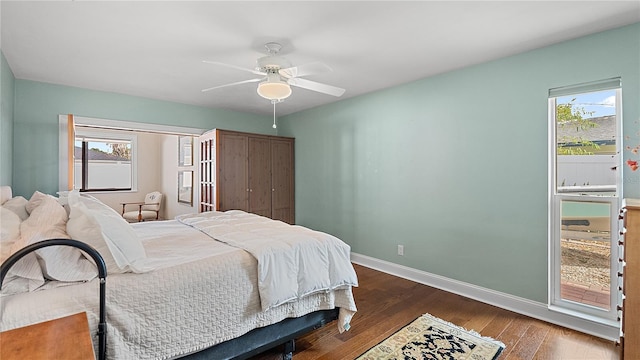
(64, 338)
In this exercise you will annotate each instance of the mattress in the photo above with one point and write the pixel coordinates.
(200, 293)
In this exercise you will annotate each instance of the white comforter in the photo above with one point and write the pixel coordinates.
(293, 261)
(200, 293)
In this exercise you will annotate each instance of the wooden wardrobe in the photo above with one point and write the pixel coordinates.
(249, 172)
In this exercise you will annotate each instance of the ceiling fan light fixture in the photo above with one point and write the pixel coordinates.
(274, 89)
(277, 75)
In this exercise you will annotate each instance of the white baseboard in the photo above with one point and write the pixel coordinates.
(517, 304)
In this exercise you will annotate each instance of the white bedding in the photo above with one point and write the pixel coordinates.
(293, 261)
(200, 293)
(170, 243)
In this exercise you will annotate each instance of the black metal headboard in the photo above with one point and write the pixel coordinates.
(102, 275)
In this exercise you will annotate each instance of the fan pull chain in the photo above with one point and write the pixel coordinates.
(274, 114)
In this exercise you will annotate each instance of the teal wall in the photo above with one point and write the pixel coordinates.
(36, 110)
(454, 167)
(7, 86)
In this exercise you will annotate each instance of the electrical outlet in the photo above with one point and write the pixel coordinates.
(401, 250)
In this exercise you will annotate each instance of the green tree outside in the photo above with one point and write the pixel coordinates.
(568, 115)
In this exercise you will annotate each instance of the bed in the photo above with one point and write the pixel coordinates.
(202, 286)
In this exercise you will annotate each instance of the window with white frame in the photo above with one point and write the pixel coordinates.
(104, 160)
(585, 186)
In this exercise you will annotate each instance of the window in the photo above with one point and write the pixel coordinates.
(585, 185)
(147, 164)
(104, 160)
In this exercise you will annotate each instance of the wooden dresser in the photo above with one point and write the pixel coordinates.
(630, 241)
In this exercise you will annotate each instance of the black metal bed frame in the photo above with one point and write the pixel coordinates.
(102, 275)
(252, 343)
(261, 339)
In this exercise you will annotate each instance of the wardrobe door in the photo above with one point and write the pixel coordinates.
(232, 178)
(207, 179)
(282, 180)
(259, 176)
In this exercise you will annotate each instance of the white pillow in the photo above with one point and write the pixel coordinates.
(101, 227)
(9, 231)
(5, 193)
(84, 227)
(18, 205)
(25, 275)
(63, 199)
(48, 221)
(36, 199)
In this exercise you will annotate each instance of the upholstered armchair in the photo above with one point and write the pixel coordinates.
(149, 209)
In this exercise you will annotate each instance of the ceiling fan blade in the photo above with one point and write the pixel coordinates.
(316, 86)
(253, 71)
(305, 69)
(232, 84)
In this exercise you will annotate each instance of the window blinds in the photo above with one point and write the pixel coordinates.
(613, 83)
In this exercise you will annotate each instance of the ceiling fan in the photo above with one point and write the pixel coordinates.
(277, 74)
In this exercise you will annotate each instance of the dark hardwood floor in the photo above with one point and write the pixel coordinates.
(387, 303)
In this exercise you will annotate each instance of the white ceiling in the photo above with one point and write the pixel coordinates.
(155, 49)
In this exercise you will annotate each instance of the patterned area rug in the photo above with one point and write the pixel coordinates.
(428, 337)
